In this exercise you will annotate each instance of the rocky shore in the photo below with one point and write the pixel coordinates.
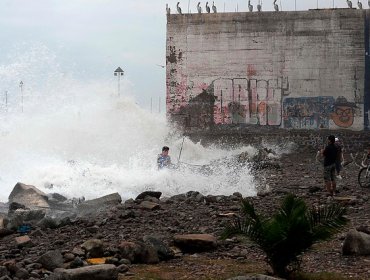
(153, 237)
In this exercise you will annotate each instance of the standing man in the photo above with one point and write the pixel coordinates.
(330, 154)
(163, 159)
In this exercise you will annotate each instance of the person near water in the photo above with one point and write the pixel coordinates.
(340, 158)
(163, 159)
(330, 154)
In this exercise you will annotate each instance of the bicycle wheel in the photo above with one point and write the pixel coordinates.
(364, 178)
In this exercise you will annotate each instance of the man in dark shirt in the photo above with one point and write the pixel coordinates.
(330, 154)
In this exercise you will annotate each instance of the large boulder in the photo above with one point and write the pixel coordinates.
(163, 251)
(94, 272)
(29, 196)
(95, 206)
(138, 252)
(356, 243)
(21, 216)
(195, 242)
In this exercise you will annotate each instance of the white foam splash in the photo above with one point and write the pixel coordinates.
(79, 139)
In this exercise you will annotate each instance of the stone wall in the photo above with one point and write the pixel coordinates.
(312, 140)
(291, 70)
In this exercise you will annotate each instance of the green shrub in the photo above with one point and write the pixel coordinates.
(289, 232)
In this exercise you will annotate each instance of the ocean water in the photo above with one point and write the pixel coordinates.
(78, 138)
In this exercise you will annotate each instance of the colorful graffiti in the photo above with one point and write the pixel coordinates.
(344, 112)
(307, 112)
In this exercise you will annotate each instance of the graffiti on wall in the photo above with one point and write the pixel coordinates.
(249, 101)
(316, 112)
(307, 112)
(344, 112)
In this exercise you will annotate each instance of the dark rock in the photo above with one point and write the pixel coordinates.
(163, 251)
(356, 243)
(51, 260)
(95, 206)
(94, 247)
(138, 252)
(122, 268)
(195, 242)
(3, 271)
(77, 262)
(150, 194)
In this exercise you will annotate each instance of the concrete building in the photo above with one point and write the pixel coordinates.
(293, 70)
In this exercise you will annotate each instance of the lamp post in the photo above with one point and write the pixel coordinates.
(21, 87)
(119, 72)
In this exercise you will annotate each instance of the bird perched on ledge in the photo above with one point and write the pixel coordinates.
(214, 9)
(178, 8)
(359, 4)
(349, 3)
(208, 9)
(199, 8)
(250, 7)
(168, 10)
(259, 6)
(276, 6)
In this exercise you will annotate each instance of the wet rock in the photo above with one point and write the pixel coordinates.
(356, 243)
(94, 272)
(195, 242)
(95, 206)
(51, 260)
(29, 196)
(145, 194)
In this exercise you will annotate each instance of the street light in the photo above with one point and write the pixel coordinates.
(21, 87)
(119, 72)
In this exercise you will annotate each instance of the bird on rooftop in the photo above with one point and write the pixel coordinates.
(349, 3)
(359, 4)
(199, 8)
(178, 8)
(214, 9)
(208, 9)
(276, 6)
(250, 7)
(168, 10)
(259, 6)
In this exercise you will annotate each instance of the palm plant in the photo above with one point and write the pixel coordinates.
(289, 232)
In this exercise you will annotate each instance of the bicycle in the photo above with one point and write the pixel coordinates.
(364, 173)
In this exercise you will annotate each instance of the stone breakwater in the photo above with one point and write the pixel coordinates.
(114, 239)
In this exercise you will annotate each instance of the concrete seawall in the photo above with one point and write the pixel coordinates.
(291, 70)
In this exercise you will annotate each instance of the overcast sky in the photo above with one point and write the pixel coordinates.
(90, 38)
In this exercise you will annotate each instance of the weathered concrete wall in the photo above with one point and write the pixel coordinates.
(295, 70)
